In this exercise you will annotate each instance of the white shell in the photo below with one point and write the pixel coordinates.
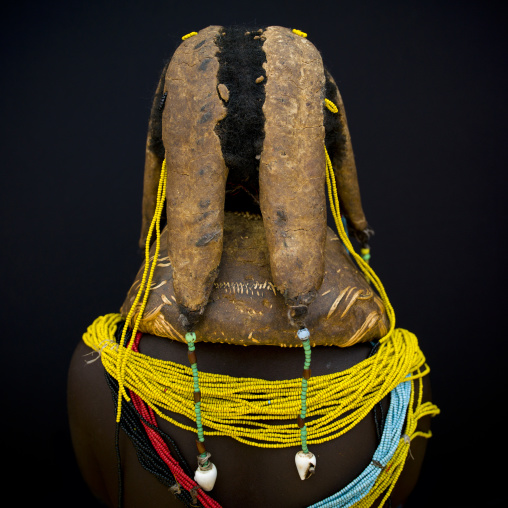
(306, 464)
(206, 477)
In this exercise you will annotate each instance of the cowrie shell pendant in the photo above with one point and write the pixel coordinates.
(306, 464)
(205, 477)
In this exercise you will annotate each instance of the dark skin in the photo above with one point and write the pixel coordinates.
(247, 476)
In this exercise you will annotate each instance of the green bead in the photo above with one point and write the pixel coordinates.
(190, 337)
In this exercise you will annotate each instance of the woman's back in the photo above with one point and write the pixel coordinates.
(248, 476)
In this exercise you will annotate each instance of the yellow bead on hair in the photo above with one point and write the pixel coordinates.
(299, 32)
(187, 36)
(331, 106)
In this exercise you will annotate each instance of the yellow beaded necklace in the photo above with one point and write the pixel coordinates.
(242, 408)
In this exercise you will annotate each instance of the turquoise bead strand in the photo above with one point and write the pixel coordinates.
(392, 432)
(191, 339)
(304, 335)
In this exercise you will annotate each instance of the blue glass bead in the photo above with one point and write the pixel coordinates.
(303, 334)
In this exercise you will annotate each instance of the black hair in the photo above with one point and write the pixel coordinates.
(335, 139)
(241, 132)
(155, 143)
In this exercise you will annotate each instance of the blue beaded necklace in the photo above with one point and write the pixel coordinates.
(392, 433)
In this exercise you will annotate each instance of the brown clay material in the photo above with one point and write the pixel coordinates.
(306, 373)
(153, 164)
(246, 309)
(301, 422)
(223, 92)
(292, 165)
(196, 169)
(197, 397)
(344, 166)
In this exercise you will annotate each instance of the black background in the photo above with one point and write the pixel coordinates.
(424, 87)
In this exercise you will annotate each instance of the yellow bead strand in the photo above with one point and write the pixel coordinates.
(146, 282)
(362, 264)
